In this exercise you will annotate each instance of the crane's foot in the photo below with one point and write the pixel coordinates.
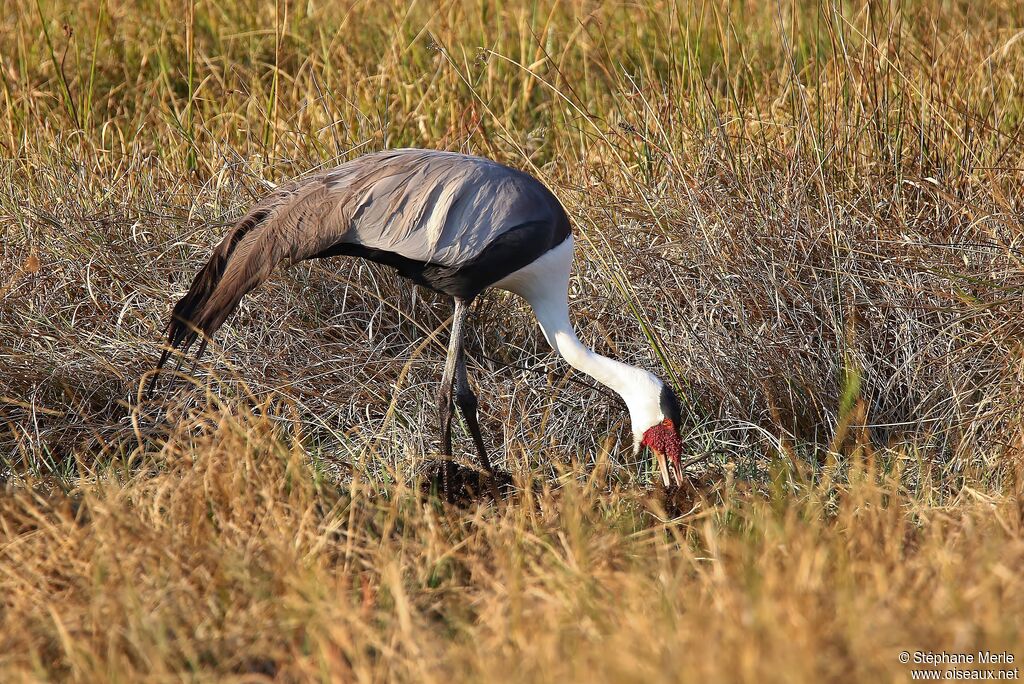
(466, 485)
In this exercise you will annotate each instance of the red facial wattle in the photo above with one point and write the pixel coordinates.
(663, 439)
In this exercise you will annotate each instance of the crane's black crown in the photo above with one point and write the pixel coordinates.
(670, 405)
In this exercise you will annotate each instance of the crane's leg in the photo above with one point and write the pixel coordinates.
(467, 403)
(444, 400)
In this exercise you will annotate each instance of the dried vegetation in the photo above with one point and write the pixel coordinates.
(808, 215)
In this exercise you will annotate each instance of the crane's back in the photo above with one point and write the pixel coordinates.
(454, 222)
(437, 207)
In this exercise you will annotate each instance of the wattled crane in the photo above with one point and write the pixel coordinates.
(454, 223)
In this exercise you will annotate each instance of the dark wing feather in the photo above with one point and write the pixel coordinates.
(286, 225)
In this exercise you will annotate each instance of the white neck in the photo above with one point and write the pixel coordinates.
(544, 284)
(554, 321)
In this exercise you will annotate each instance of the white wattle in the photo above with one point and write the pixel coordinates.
(545, 285)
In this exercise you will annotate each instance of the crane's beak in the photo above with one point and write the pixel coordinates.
(671, 470)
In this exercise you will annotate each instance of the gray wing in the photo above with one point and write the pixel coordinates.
(434, 207)
(426, 206)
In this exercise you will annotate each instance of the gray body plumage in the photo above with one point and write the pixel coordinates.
(437, 207)
(452, 222)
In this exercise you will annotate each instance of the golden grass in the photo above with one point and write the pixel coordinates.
(807, 215)
(226, 556)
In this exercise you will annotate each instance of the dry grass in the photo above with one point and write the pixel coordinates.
(228, 557)
(808, 215)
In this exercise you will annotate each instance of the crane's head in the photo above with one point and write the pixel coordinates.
(654, 414)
